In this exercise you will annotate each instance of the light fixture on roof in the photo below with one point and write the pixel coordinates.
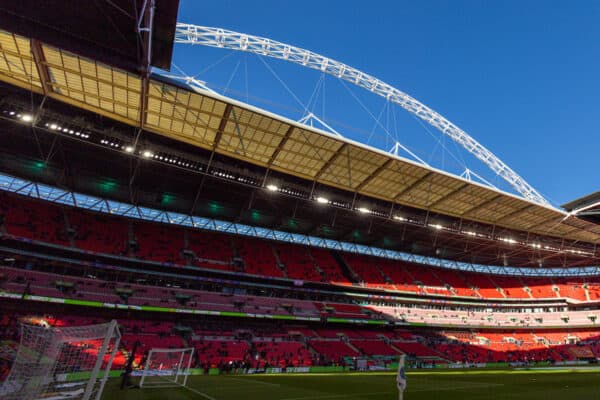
(129, 149)
(272, 188)
(53, 127)
(147, 154)
(399, 218)
(322, 200)
(363, 210)
(436, 226)
(26, 118)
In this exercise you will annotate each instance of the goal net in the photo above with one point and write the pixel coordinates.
(62, 362)
(167, 367)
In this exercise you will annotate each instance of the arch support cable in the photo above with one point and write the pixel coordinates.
(221, 38)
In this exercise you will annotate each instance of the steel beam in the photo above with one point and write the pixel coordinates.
(331, 160)
(40, 64)
(481, 205)
(280, 146)
(222, 38)
(374, 174)
(446, 196)
(412, 185)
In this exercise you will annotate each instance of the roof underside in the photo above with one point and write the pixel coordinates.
(232, 129)
(82, 26)
(586, 207)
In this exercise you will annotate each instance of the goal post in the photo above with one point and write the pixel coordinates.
(167, 368)
(62, 362)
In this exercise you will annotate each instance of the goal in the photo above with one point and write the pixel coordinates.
(62, 362)
(167, 368)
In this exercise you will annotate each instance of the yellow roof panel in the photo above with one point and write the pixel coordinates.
(226, 126)
(17, 65)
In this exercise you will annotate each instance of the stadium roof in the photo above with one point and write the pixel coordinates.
(586, 207)
(234, 129)
(82, 26)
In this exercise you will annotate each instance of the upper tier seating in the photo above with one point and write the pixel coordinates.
(329, 266)
(212, 250)
(159, 243)
(102, 233)
(258, 257)
(33, 219)
(298, 262)
(99, 233)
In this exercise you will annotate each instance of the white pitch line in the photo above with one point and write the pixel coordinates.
(200, 393)
(254, 381)
(441, 389)
(337, 396)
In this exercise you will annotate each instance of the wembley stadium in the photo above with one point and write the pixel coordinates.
(163, 236)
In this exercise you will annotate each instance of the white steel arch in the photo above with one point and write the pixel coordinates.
(221, 38)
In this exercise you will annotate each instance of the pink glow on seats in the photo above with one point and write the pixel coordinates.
(215, 250)
(159, 243)
(33, 219)
(258, 257)
(329, 266)
(298, 263)
(333, 349)
(98, 232)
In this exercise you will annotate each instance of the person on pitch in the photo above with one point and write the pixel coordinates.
(401, 377)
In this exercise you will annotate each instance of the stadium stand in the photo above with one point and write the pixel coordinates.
(255, 270)
(73, 228)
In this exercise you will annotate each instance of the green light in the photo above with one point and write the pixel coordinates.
(107, 185)
(356, 234)
(214, 207)
(37, 166)
(167, 198)
(255, 215)
(292, 223)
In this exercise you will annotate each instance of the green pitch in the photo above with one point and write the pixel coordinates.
(450, 385)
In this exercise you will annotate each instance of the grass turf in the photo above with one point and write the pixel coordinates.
(451, 385)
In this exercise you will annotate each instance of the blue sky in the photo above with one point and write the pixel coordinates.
(522, 77)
